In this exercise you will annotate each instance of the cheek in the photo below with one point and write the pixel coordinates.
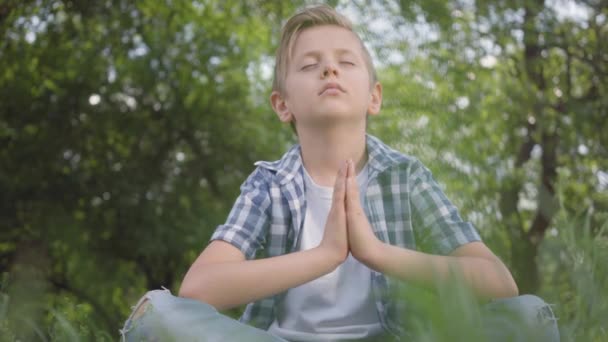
(295, 84)
(363, 89)
(361, 78)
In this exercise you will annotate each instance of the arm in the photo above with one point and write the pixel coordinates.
(223, 278)
(482, 271)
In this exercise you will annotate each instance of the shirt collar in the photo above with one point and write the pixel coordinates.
(380, 157)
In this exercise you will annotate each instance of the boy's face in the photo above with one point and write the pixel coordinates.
(327, 80)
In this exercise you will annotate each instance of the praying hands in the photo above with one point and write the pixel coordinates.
(347, 228)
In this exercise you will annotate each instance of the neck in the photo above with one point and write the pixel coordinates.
(326, 149)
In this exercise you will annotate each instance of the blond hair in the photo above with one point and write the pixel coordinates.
(311, 17)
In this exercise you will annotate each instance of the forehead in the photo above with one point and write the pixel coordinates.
(325, 38)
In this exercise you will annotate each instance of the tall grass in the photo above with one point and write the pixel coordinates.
(575, 277)
(574, 264)
(42, 316)
(573, 260)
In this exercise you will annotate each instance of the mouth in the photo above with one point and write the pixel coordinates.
(331, 87)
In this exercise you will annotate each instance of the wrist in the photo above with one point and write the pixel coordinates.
(330, 257)
(372, 255)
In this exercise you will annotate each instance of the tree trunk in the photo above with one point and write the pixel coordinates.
(524, 265)
(524, 247)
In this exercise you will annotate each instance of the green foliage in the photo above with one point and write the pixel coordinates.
(578, 277)
(510, 127)
(512, 94)
(126, 128)
(450, 314)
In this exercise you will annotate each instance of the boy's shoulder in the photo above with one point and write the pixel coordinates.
(284, 169)
(381, 156)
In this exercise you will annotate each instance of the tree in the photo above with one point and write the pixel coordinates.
(126, 129)
(522, 83)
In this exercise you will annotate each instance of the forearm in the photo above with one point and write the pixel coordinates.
(230, 284)
(486, 278)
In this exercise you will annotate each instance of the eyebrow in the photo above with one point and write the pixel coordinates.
(316, 53)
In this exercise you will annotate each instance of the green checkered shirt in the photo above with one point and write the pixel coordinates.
(403, 203)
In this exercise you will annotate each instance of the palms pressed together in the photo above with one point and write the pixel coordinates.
(347, 228)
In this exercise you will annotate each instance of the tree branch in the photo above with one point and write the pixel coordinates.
(525, 150)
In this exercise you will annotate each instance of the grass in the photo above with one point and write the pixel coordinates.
(574, 277)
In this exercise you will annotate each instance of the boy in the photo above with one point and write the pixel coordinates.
(336, 216)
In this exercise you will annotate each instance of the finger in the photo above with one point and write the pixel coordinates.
(352, 188)
(340, 185)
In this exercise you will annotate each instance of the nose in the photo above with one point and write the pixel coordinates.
(328, 70)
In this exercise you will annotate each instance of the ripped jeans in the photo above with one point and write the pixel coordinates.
(160, 316)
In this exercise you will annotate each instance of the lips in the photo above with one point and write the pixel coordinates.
(331, 85)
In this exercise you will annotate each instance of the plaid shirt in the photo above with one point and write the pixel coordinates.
(403, 203)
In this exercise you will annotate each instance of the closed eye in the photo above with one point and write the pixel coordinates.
(347, 63)
(309, 66)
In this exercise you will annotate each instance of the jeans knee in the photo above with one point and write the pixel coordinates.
(528, 315)
(530, 308)
(145, 304)
(534, 306)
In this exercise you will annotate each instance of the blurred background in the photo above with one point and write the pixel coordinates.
(126, 128)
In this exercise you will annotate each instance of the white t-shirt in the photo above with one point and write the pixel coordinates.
(338, 305)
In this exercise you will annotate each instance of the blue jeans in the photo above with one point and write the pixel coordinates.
(522, 318)
(160, 316)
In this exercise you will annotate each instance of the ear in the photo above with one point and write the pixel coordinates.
(376, 99)
(279, 105)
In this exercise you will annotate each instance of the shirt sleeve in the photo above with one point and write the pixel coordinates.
(248, 221)
(435, 218)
